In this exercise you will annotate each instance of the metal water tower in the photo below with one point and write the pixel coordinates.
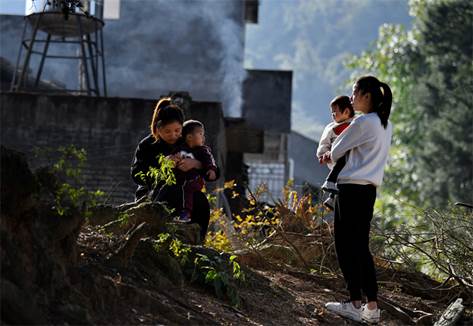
(65, 24)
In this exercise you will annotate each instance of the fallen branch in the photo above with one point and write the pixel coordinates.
(298, 253)
(451, 314)
(102, 214)
(470, 206)
(124, 207)
(153, 214)
(425, 319)
(399, 312)
(333, 283)
(126, 250)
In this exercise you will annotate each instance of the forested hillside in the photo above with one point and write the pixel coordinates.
(313, 38)
(430, 69)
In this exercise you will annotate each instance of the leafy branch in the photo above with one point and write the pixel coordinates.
(67, 185)
(164, 173)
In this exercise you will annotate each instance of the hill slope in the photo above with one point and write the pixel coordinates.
(61, 269)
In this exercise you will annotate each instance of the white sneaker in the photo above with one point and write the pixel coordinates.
(330, 187)
(345, 309)
(370, 316)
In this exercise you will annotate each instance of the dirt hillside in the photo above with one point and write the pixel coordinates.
(111, 266)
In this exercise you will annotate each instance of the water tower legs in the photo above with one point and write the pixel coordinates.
(90, 55)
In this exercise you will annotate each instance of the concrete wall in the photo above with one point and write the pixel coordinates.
(267, 100)
(301, 150)
(267, 106)
(108, 128)
(160, 46)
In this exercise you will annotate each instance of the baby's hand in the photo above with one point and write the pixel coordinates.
(211, 175)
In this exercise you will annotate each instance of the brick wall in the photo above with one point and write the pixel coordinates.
(108, 128)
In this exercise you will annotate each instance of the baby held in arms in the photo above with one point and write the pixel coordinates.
(342, 115)
(194, 147)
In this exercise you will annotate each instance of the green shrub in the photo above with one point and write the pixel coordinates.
(67, 164)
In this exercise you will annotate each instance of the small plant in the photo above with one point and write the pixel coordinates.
(163, 174)
(218, 240)
(213, 271)
(123, 218)
(69, 191)
(261, 223)
(216, 237)
(163, 240)
(216, 271)
(175, 246)
(237, 272)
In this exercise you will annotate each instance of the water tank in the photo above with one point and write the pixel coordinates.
(66, 18)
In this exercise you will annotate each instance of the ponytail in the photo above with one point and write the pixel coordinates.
(384, 107)
(164, 113)
(381, 96)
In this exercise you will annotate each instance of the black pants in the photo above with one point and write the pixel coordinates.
(353, 214)
(173, 196)
(333, 175)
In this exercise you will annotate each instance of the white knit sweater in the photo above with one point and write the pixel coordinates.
(328, 138)
(367, 143)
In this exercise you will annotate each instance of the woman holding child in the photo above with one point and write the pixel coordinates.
(165, 139)
(366, 142)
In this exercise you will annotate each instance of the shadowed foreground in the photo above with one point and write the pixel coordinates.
(59, 269)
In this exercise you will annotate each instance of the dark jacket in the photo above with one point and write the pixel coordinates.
(146, 155)
(204, 155)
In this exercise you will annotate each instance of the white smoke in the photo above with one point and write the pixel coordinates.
(230, 33)
(157, 46)
(227, 24)
(180, 45)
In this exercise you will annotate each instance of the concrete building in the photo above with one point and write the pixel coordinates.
(267, 106)
(156, 47)
(159, 46)
(286, 154)
(303, 166)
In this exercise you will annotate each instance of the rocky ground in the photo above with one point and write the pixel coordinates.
(107, 269)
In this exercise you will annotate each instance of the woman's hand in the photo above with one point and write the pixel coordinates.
(176, 158)
(187, 164)
(326, 158)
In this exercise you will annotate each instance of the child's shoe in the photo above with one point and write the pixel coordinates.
(330, 187)
(329, 204)
(184, 217)
(370, 316)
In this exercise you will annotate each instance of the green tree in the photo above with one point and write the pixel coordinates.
(445, 95)
(430, 71)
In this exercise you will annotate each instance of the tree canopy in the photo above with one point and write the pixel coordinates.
(430, 70)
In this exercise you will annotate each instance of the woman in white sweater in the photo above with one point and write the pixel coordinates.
(366, 141)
